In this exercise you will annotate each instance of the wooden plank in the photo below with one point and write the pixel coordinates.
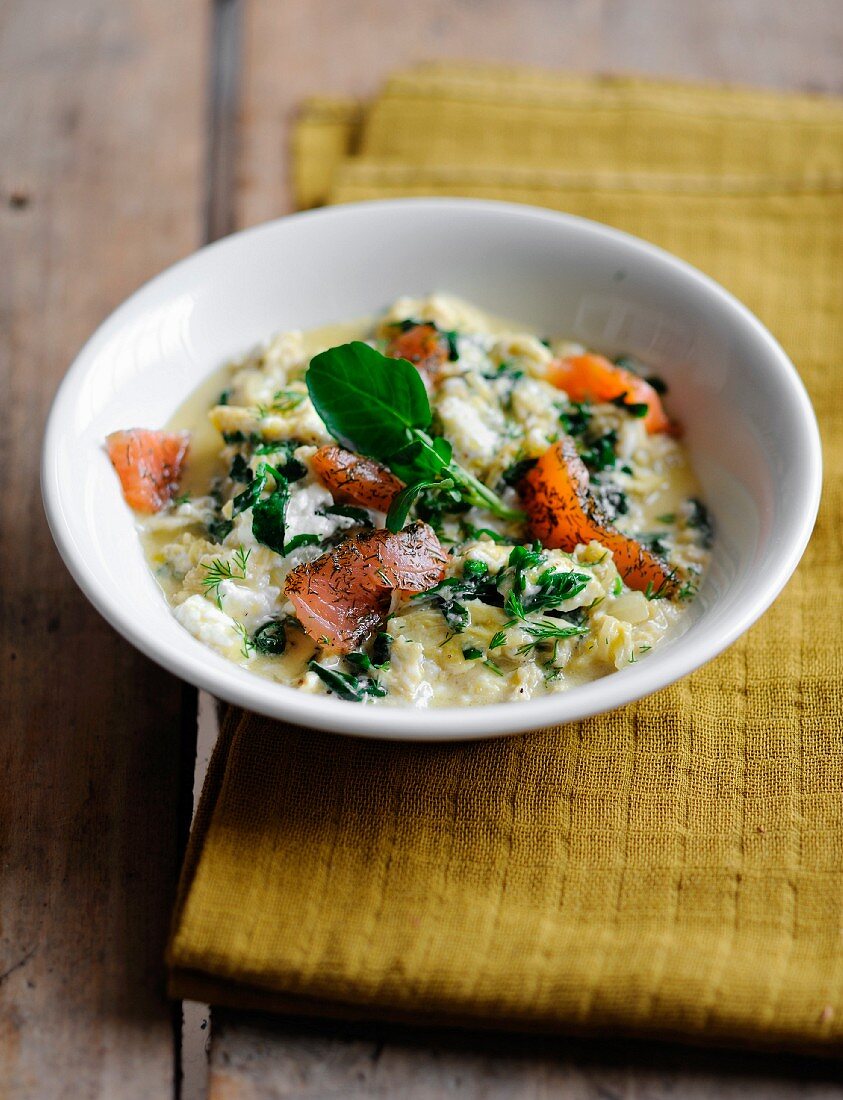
(260, 1058)
(102, 126)
(305, 47)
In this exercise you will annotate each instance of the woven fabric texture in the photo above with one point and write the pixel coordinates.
(673, 868)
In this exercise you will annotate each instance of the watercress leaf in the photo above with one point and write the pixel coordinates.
(367, 402)
(402, 503)
(443, 448)
(417, 461)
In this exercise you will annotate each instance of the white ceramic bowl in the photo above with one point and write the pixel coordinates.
(749, 425)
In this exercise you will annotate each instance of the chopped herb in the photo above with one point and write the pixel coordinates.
(456, 617)
(381, 648)
(453, 350)
(286, 400)
(576, 419)
(472, 532)
(540, 630)
(221, 570)
(240, 469)
(268, 519)
(246, 644)
(617, 586)
(224, 397)
(498, 640)
(359, 660)
(660, 593)
(241, 437)
(472, 653)
(637, 409)
(521, 558)
(668, 517)
(555, 588)
(351, 688)
(299, 541)
(612, 501)
(219, 529)
(700, 519)
(476, 583)
(600, 453)
(271, 638)
(183, 499)
(348, 511)
(492, 667)
(513, 474)
(654, 541)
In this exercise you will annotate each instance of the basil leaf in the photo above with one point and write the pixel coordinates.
(366, 401)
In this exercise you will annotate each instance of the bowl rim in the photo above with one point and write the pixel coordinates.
(446, 723)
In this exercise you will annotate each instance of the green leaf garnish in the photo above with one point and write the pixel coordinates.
(369, 403)
(348, 511)
(378, 407)
(352, 688)
(271, 638)
(221, 570)
(301, 540)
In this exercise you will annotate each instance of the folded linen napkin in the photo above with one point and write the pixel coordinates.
(674, 868)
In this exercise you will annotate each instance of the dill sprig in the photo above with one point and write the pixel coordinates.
(246, 644)
(540, 631)
(221, 570)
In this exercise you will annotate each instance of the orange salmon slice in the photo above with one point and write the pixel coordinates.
(563, 513)
(149, 465)
(343, 596)
(353, 479)
(594, 378)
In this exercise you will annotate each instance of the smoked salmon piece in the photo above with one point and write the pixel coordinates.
(149, 465)
(354, 479)
(422, 345)
(594, 378)
(563, 513)
(343, 596)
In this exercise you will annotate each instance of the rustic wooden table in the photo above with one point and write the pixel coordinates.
(130, 134)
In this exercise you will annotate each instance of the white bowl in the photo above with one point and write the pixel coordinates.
(749, 425)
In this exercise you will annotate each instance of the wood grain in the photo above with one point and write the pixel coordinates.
(260, 1058)
(303, 47)
(101, 185)
(306, 47)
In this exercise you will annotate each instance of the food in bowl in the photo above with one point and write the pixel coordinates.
(433, 508)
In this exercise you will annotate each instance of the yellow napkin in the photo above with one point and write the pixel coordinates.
(674, 868)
